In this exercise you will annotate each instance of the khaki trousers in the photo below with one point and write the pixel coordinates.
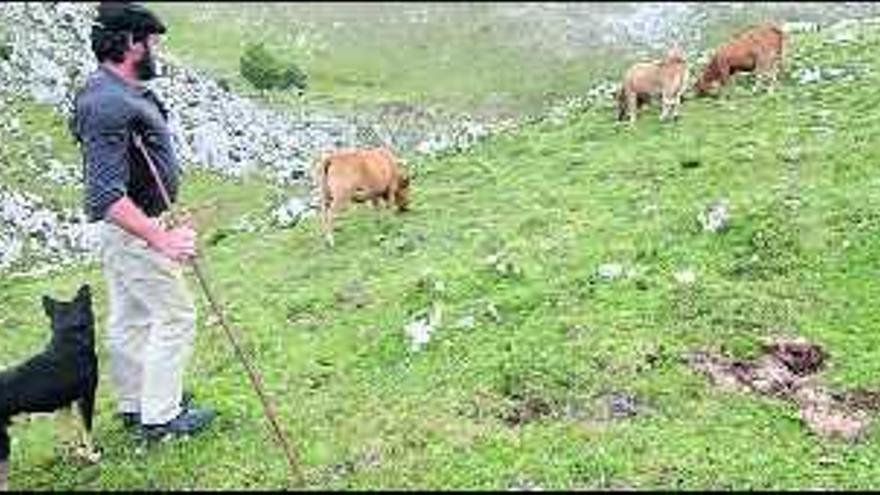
(150, 326)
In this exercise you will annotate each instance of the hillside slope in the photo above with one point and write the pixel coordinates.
(551, 253)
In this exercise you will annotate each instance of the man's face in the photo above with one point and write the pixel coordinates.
(145, 64)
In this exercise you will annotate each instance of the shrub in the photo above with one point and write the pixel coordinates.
(266, 71)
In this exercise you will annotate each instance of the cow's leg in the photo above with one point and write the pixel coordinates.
(325, 220)
(327, 225)
(671, 105)
(668, 100)
(676, 103)
(775, 69)
(765, 68)
(339, 203)
(328, 228)
(377, 208)
(724, 74)
(632, 100)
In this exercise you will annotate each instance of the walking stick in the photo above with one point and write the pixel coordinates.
(252, 372)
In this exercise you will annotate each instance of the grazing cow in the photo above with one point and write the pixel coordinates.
(359, 175)
(758, 50)
(666, 78)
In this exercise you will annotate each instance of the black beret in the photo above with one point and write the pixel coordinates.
(128, 16)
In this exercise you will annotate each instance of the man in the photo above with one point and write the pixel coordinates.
(151, 321)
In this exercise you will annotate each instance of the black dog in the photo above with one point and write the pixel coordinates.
(66, 371)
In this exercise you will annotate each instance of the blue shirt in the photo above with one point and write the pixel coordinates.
(108, 110)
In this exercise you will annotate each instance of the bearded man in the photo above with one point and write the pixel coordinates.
(151, 320)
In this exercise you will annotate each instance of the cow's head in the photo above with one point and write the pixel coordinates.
(676, 55)
(401, 197)
(710, 79)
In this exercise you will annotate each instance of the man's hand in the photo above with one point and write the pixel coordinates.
(179, 243)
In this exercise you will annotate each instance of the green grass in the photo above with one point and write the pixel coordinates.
(554, 201)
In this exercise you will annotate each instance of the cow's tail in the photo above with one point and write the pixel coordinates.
(319, 176)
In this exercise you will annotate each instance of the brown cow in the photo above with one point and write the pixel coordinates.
(666, 78)
(758, 50)
(358, 175)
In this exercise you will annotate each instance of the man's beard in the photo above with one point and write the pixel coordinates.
(145, 68)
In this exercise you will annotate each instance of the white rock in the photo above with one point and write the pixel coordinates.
(610, 271)
(419, 330)
(715, 217)
(685, 277)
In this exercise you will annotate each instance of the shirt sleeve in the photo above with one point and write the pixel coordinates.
(105, 141)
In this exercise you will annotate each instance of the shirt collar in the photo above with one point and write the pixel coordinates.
(137, 88)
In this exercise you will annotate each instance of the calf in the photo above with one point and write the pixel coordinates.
(759, 50)
(358, 175)
(643, 80)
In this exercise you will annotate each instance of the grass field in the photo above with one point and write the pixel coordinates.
(507, 239)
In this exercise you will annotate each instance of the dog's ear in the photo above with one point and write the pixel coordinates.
(84, 293)
(48, 305)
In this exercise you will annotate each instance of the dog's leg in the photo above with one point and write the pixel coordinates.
(4, 455)
(87, 450)
(4, 476)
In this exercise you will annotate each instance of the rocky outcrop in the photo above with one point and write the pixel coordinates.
(33, 235)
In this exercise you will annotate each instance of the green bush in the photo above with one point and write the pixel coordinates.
(266, 71)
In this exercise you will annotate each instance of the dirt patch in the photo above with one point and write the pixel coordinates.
(523, 410)
(786, 370)
(619, 405)
(352, 295)
(601, 409)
